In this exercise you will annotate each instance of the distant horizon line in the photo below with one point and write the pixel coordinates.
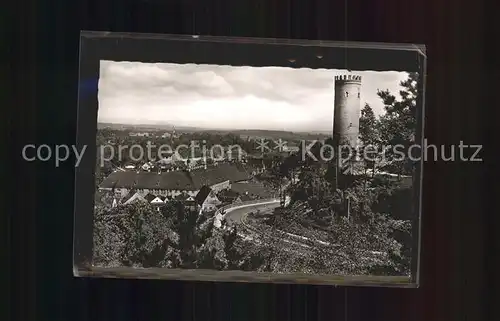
(214, 128)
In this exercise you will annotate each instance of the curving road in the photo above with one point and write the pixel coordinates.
(235, 214)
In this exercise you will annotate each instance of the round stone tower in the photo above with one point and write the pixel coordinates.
(347, 109)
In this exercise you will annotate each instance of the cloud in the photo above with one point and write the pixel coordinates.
(216, 96)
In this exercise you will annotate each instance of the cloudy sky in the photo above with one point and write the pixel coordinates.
(227, 97)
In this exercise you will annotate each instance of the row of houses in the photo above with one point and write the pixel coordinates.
(176, 161)
(205, 200)
(154, 134)
(174, 183)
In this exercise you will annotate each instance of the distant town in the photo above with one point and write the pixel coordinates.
(238, 172)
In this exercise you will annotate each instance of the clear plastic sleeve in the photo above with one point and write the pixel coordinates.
(249, 160)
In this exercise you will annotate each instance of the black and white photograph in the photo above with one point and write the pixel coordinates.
(262, 170)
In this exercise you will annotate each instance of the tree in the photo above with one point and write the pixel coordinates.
(194, 232)
(131, 235)
(399, 124)
(368, 123)
(276, 174)
(370, 137)
(212, 253)
(138, 235)
(312, 188)
(397, 202)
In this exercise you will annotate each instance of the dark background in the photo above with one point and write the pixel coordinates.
(98, 46)
(41, 88)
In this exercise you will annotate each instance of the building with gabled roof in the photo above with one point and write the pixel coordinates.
(158, 200)
(135, 198)
(127, 196)
(149, 197)
(206, 199)
(173, 183)
(202, 194)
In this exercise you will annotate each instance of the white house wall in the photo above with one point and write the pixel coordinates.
(143, 192)
(221, 186)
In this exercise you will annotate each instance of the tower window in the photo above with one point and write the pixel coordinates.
(346, 94)
(359, 95)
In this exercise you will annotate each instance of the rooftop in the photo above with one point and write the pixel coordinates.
(177, 180)
(202, 194)
(256, 189)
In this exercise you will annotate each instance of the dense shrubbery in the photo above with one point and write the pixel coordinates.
(139, 235)
(348, 243)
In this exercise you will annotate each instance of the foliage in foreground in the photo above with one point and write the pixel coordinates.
(138, 235)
